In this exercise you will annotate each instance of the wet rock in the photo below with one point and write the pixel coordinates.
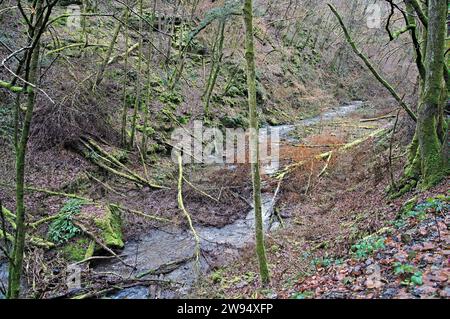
(105, 221)
(138, 292)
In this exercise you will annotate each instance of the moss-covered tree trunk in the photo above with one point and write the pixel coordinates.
(430, 124)
(428, 160)
(138, 98)
(123, 130)
(254, 140)
(31, 76)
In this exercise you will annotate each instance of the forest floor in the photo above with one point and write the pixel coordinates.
(344, 236)
(340, 227)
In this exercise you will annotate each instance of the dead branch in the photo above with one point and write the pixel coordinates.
(188, 217)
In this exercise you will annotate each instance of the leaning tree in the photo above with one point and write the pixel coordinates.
(427, 162)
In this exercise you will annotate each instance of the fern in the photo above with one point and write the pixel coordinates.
(62, 229)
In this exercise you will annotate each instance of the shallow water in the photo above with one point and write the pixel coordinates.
(3, 277)
(159, 247)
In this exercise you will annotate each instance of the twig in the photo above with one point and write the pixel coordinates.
(326, 165)
(309, 178)
(377, 118)
(199, 190)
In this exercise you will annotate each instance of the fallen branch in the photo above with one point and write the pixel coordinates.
(105, 185)
(166, 268)
(35, 241)
(126, 209)
(326, 155)
(378, 118)
(87, 200)
(353, 144)
(326, 165)
(98, 241)
(101, 154)
(121, 56)
(199, 190)
(96, 258)
(188, 217)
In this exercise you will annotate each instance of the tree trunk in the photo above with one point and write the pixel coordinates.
(254, 140)
(138, 98)
(215, 67)
(430, 125)
(15, 267)
(123, 130)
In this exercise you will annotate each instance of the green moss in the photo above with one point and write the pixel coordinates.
(90, 250)
(432, 163)
(171, 98)
(76, 249)
(110, 227)
(120, 155)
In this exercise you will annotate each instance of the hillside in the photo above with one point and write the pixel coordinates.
(99, 202)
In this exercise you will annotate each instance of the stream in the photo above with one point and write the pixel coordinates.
(176, 247)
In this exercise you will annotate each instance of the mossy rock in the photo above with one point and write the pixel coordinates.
(105, 222)
(78, 249)
(110, 226)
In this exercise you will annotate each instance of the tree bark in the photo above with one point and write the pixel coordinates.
(31, 75)
(430, 125)
(254, 141)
